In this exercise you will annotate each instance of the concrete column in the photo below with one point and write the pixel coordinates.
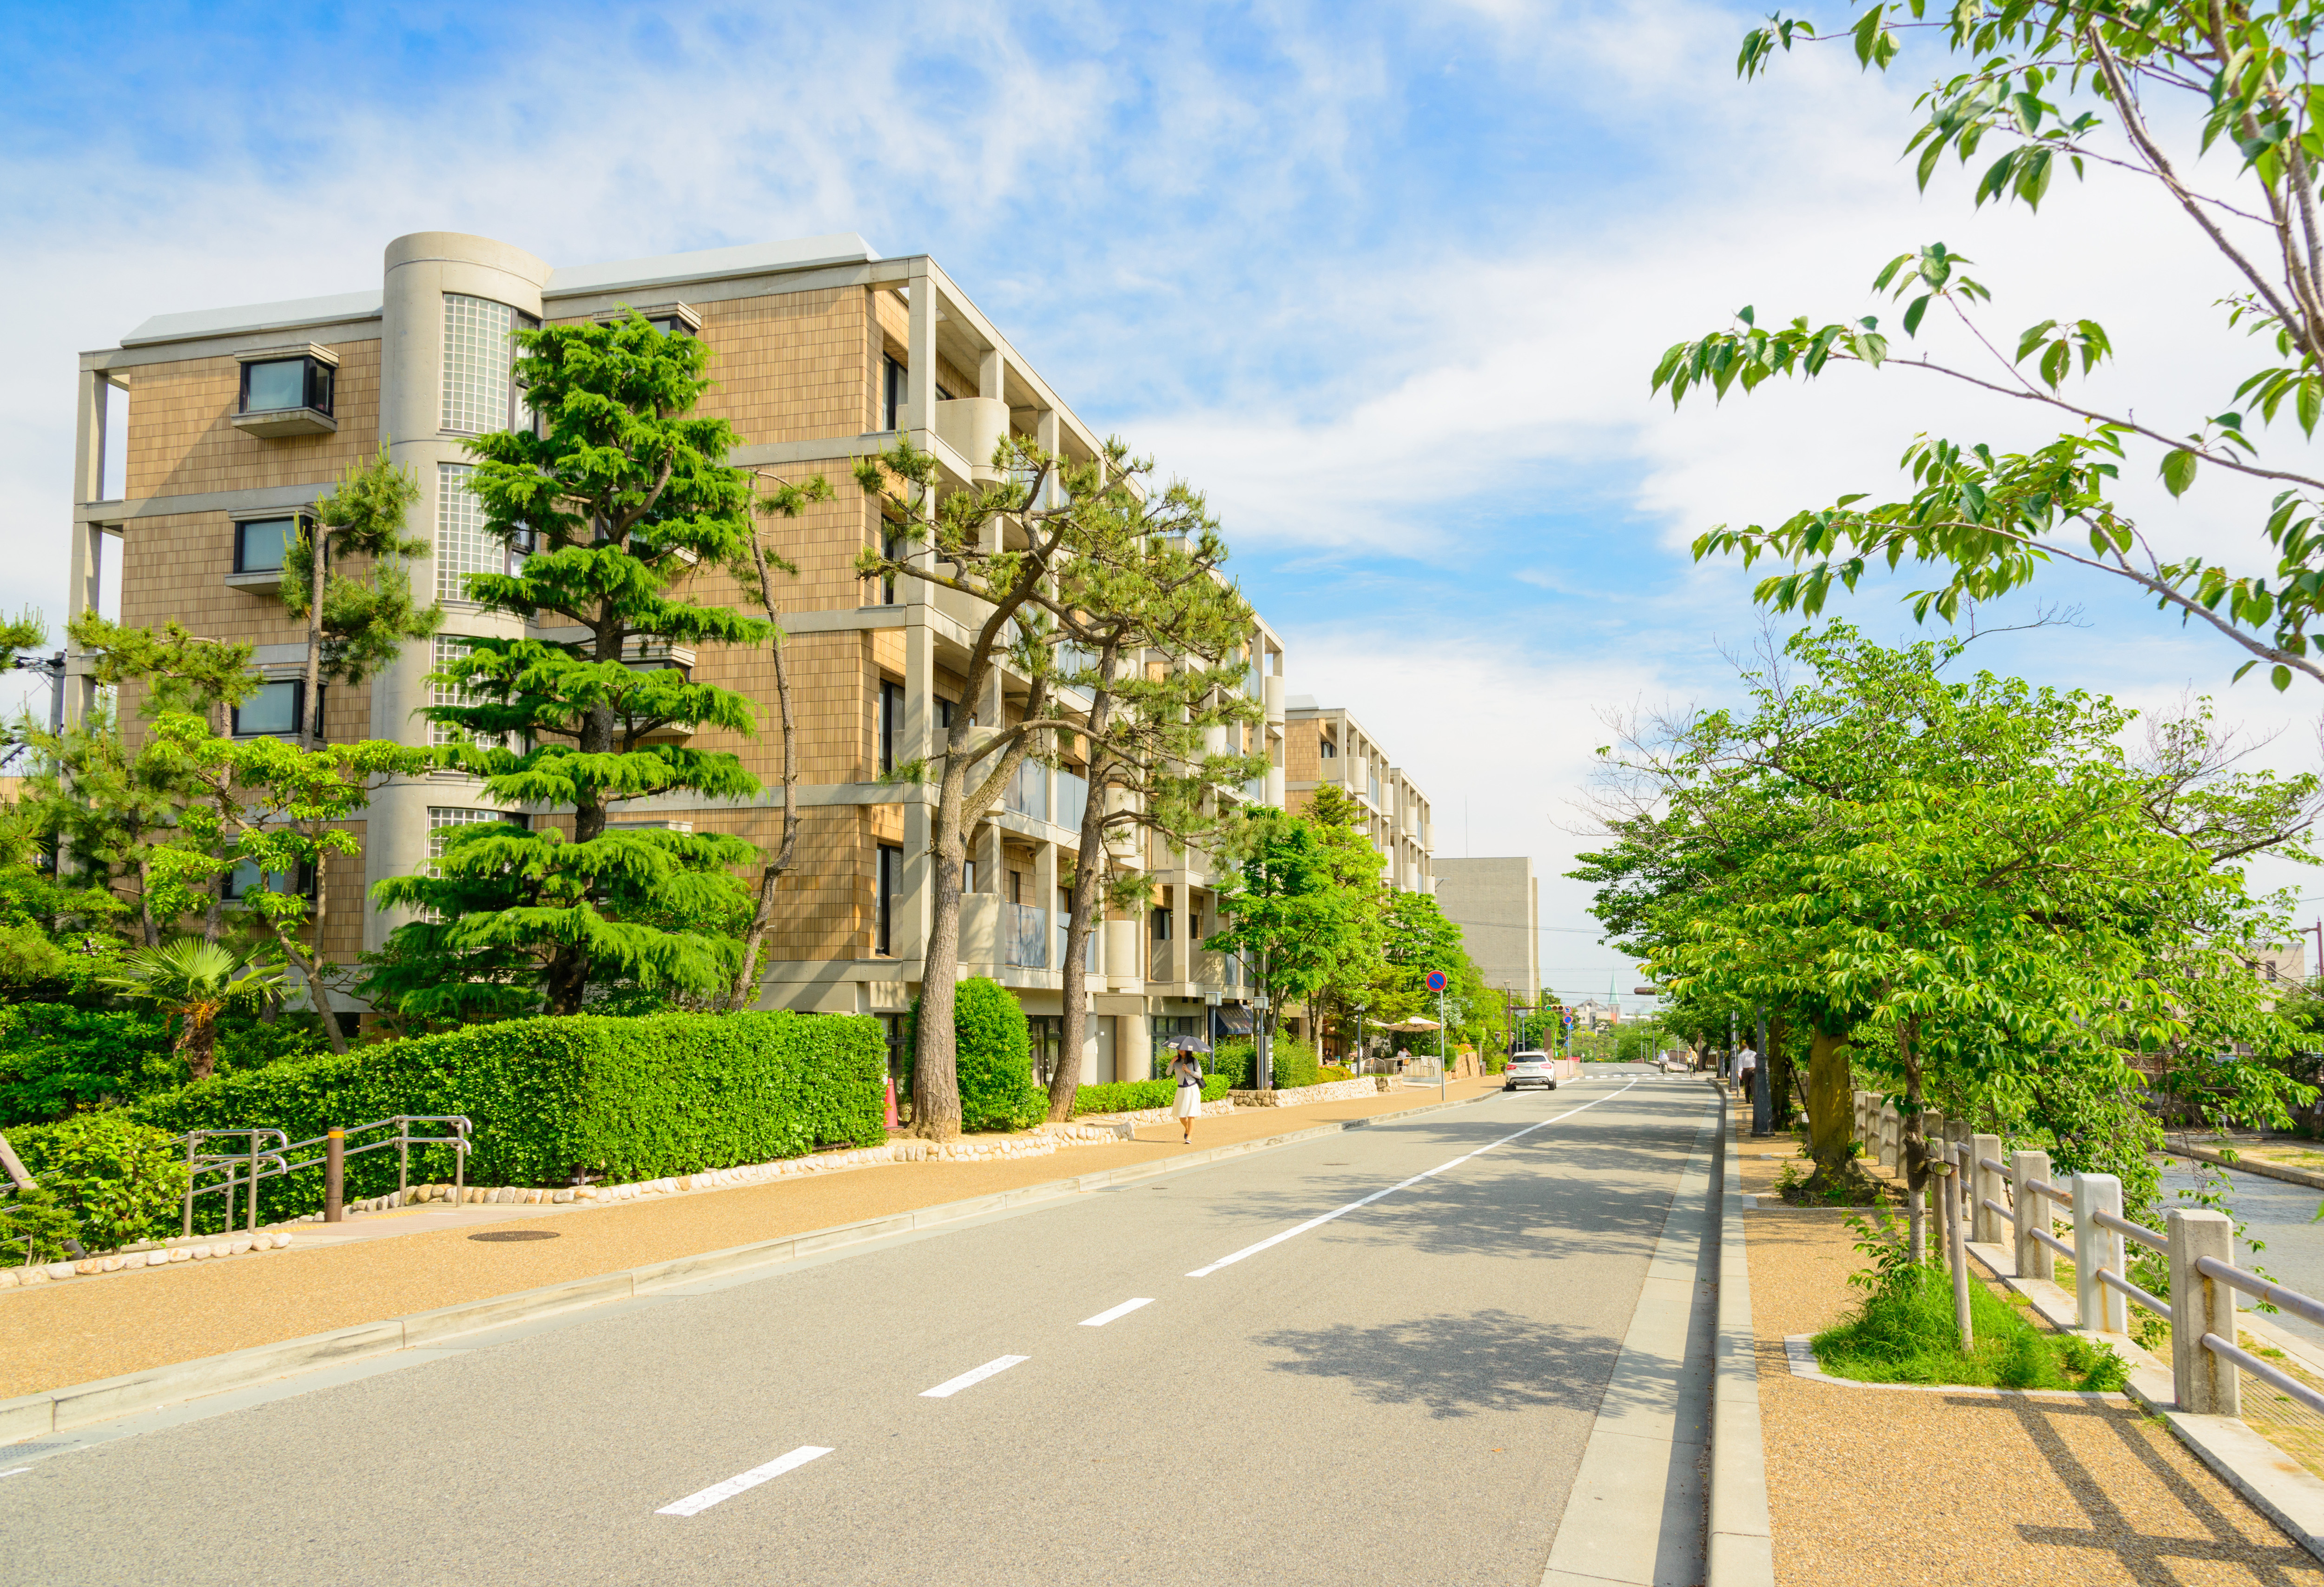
(1857, 1131)
(1046, 434)
(1985, 1185)
(1888, 1123)
(919, 730)
(1133, 1047)
(2035, 1259)
(2097, 1305)
(915, 909)
(420, 269)
(920, 372)
(992, 375)
(1045, 899)
(2207, 1383)
(90, 438)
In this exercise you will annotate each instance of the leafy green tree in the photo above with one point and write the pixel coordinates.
(1139, 584)
(118, 1180)
(194, 981)
(1289, 917)
(615, 500)
(2146, 92)
(357, 623)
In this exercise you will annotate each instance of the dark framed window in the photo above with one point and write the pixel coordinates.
(890, 878)
(945, 396)
(891, 546)
(670, 325)
(893, 393)
(892, 712)
(276, 385)
(259, 543)
(272, 710)
(1161, 925)
(246, 878)
(943, 715)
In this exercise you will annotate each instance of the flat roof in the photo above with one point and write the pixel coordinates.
(703, 264)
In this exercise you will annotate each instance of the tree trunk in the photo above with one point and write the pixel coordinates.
(1916, 1144)
(310, 711)
(1831, 1132)
(566, 974)
(762, 917)
(312, 967)
(198, 1043)
(1089, 873)
(936, 1075)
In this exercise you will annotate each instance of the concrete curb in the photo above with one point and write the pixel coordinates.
(2242, 1165)
(60, 1410)
(1739, 1543)
(2278, 1486)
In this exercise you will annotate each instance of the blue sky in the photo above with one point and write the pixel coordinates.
(1386, 280)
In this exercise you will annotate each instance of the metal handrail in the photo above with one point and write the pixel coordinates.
(2001, 1168)
(1998, 1210)
(2051, 1191)
(250, 1167)
(2053, 1242)
(2138, 1232)
(2235, 1277)
(2282, 1381)
(2155, 1304)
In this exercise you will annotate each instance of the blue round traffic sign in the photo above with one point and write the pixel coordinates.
(1436, 980)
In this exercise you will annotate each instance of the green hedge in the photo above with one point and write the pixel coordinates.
(992, 1056)
(1295, 1063)
(619, 1099)
(1130, 1096)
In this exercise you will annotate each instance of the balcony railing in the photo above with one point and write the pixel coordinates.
(1028, 792)
(1073, 799)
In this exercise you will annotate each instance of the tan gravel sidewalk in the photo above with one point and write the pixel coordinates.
(1911, 1487)
(78, 1331)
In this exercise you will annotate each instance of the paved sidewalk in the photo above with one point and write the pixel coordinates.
(97, 1327)
(1945, 1488)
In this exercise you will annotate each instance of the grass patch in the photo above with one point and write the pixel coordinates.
(1904, 1333)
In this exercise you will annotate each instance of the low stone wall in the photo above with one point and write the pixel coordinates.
(200, 1248)
(1330, 1091)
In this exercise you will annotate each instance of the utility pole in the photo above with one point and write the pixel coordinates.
(1762, 1104)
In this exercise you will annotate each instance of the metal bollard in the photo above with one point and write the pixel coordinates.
(2203, 1382)
(2096, 1305)
(1983, 1185)
(335, 1176)
(2035, 1259)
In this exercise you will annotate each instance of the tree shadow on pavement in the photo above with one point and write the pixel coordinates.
(1455, 1365)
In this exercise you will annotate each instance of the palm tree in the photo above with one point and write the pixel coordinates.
(195, 981)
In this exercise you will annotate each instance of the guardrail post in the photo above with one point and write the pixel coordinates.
(1888, 1122)
(2203, 1382)
(1857, 1101)
(2096, 1305)
(335, 1176)
(2035, 1259)
(191, 1136)
(1983, 1185)
(254, 1185)
(1952, 1187)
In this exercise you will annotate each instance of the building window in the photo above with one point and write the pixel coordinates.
(448, 649)
(1161, 925)
(945, 396)
(943, 715)
(259, 543)
(891, 546)
(462, 544)
(1328, 750)
(275, 385)
(893, 395)
(443, 820)
(890, 878)
(246, 878)
(478, 360)
(271, 711)
(892, 712)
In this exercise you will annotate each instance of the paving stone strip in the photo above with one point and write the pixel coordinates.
(2002, 1488)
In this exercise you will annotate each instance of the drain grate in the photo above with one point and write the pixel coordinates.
(515, 1234)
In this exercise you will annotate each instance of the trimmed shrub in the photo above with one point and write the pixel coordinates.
(1295, 1063)
(993, 1056)
(39, 1215)
(1331, 1072)
(1130, 1096)
(118, 1180)
(58, 1059)
(553, 1097)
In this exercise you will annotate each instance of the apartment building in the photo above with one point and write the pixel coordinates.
(1326, 744)
(1496, 903)
(237, 418)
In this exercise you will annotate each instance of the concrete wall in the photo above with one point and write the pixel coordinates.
(1496, 903)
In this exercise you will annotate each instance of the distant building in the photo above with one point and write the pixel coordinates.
(1324, 744)
(1497, 904)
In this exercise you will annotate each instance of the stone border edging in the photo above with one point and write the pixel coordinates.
(2279, 1487)
(1801, 1352)
(2244, 1165)
(81, 1405)
(1738, 1545)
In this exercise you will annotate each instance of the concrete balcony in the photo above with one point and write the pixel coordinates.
(1273, 701)
(974, 427)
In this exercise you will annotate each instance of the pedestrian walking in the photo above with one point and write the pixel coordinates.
(1189, 1075)
(1747, 1064)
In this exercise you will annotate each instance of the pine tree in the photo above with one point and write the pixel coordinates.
(615, 500)
(356, 624)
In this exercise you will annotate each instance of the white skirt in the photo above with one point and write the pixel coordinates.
(1190, 1102)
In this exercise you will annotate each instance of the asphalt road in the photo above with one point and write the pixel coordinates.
(1181, 1382)
(2281, 1216)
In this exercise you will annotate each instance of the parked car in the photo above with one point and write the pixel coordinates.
(1530, 1068)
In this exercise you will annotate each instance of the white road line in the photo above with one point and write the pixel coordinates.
(1252, 1250)
(946, 1390)
(1123, 1310)
(694, 1504)
(19, 1472)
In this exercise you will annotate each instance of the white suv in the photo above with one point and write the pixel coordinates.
(1530, 1068)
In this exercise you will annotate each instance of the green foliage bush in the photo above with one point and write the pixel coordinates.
(993, 1056)
(1295, 1063)
(38, 1214)
(118, 1180)
(552, 1097)
(1330, 1073)
(1129, 1096)
(59, 1059)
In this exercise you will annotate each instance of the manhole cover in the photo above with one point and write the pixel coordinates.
(515, 1234)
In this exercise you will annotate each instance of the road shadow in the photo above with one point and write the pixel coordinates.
(1455, 1364)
